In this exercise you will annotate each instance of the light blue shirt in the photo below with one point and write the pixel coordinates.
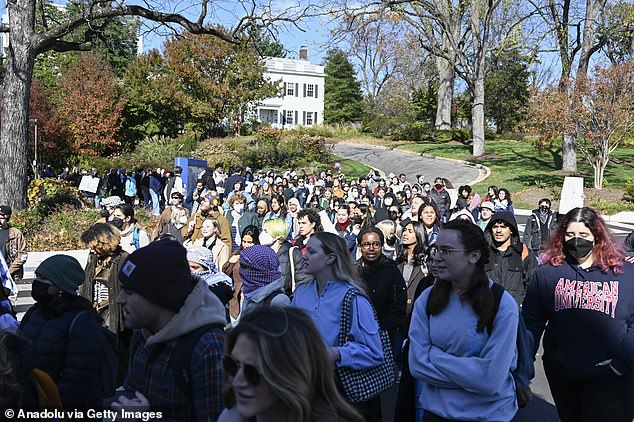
(364, 350)
(461, 373)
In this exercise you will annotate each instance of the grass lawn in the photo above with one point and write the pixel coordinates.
(517, 165)
(350, 168)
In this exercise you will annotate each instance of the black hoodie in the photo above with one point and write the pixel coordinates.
(513, 268)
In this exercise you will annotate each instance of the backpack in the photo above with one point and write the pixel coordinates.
(182, 358)
(108, 356)
(525, 369)
(135, 238)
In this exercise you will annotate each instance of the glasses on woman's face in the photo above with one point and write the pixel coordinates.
(232, 366)
(373, 245)
(442, 252)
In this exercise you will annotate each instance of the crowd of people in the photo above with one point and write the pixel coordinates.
(291, 297)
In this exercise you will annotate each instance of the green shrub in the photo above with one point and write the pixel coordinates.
(47, 195)
(284, 149)
(629, 189)
(161, 152)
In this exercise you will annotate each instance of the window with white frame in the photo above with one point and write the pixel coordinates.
(310, 90)
(309, 118)
(289, 117)
(290, 89)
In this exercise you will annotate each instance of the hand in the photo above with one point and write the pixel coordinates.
(139, 403)
(191, 226)
(334, 354)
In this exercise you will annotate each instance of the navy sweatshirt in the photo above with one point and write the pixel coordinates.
(590, 317)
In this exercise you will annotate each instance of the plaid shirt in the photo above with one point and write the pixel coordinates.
(151, 372)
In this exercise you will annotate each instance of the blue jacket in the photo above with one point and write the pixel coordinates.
(71, 360)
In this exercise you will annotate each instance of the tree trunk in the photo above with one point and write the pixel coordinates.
(15, 104)
(477, 116)
(445, 93)
(569, 152)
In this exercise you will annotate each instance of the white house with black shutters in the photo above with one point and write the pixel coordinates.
(302, 99)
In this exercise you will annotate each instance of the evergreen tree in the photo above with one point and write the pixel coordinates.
(264, 44)
(343, 102)
(506, 90)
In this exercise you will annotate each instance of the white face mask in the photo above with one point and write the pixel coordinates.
(266, 239)
(183, 219)
(238, 207)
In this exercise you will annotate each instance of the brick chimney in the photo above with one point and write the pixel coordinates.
(303, 53)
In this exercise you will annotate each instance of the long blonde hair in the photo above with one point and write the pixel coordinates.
(343, 267)
(304, 380)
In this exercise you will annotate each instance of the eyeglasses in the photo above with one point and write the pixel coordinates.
(374, 245)
(443, 252)
(231, 366)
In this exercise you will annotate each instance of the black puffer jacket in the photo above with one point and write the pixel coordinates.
(285, 265)
(532, 236)
(513, 268)
(387, 291)
(71, 360)
(443, 201)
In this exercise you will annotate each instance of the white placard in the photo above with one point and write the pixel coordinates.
(89, 184)
(571, 194)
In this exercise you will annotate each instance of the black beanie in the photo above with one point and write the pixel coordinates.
(160, 273)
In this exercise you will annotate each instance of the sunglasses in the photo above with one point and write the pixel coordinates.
(231, 367)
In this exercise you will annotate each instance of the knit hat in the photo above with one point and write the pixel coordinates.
(204, 257)
(5, 210)
(487, 204)
(63, 271)
(259, 266)
(111, 201)
(160, 273)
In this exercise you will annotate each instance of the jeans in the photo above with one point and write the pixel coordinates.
(155, 203)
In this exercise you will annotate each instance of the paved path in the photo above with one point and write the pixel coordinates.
(397, 162)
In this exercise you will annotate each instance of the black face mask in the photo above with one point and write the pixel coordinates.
(578, 247)
(544, 209)
(357, 220)
(393, 215)
(117, 222)
(438, 186)
(39, 292)
(104, 213)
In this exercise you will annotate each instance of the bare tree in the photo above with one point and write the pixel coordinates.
(27, 40)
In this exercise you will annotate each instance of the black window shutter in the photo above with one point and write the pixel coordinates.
(315, 118)
(316, 90)
(283, 120)
(304, 90)
(304, 117)
(296, 117)
(297, 90)
(284, 93)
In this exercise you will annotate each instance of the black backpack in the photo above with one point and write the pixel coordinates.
(182, 357)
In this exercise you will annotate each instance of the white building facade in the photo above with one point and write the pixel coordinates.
(302, 102)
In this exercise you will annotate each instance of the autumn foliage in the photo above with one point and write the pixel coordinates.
(90, 106)
(598, 108)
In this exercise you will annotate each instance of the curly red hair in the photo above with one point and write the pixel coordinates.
(607, 254)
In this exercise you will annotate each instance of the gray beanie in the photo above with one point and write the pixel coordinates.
(63, 271)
